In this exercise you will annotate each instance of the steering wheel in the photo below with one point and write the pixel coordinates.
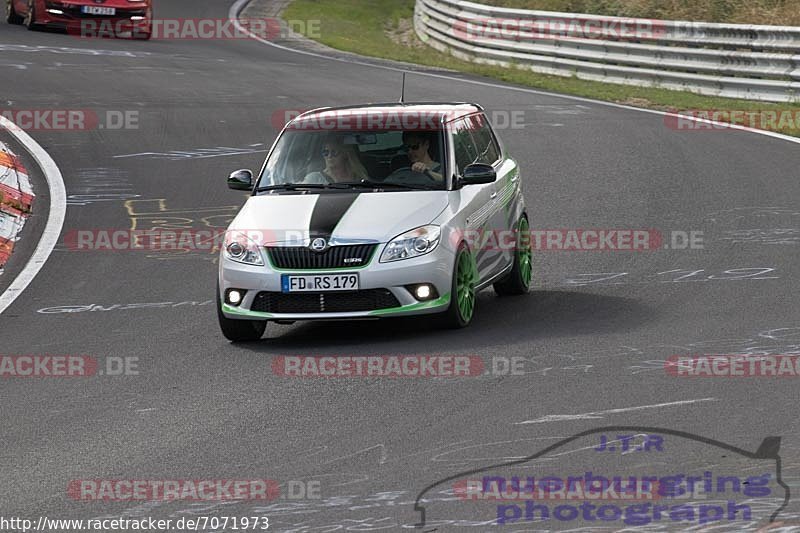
(427, 173)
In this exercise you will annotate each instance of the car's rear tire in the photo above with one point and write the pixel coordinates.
(239, 330)
(11, 14)
(30, 17)
(518, 281)
(462, 290)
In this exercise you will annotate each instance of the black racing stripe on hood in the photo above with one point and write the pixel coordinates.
(328, 211)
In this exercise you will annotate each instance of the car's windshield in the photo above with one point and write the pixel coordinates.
(392, 160)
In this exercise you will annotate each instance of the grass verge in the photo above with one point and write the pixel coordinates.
(382, 28)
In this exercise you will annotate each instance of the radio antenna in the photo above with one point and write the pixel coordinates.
(403, 89)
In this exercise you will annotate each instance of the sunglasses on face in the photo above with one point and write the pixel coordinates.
(412, 146)
(329, 153)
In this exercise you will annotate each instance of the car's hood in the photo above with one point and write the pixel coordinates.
(294, 219)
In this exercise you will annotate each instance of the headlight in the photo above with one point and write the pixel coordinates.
(238, 247)
(412, 243)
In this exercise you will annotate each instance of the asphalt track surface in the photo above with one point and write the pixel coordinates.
(202, 408)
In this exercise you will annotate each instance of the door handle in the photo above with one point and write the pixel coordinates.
(494, 194)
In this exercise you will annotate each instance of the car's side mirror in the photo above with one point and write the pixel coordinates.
(241, 180)
(478, 173)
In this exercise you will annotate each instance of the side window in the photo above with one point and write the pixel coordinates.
(465, 151)
(488, 150)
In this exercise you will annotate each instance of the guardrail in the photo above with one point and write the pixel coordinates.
(753, 62)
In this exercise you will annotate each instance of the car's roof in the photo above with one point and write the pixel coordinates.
(436, 112)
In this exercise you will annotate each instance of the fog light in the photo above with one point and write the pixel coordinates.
(234, 297)
(137, 17)
(423, 292)
(55, 11)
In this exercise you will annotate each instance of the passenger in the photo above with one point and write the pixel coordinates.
(341, 164)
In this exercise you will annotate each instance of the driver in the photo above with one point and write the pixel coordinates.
(417, 145)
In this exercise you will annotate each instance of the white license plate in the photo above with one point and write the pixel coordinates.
(319, 282)
(98, 10)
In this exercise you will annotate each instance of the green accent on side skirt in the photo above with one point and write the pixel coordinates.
(244, 312)
(444, 299)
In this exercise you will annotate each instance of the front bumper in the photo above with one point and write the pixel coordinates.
(434, 268)
(70, 18)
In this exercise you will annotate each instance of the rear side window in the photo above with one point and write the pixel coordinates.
(485, 143)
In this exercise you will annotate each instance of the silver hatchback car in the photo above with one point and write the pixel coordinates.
(374, 211)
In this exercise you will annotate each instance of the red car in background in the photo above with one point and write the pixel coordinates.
(86, 18)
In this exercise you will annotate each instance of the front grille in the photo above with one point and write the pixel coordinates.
(75, 11)
(302, 258)
(328, 302)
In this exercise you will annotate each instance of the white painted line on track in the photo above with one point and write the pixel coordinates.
(239, 5)
(55, 219)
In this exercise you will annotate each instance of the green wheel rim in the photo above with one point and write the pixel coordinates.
(466, 275)
(524, 254)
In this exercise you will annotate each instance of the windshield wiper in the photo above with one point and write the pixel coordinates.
(366, 184)
(417, 187)
(299, 186)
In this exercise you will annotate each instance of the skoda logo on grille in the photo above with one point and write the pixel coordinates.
(319, 244)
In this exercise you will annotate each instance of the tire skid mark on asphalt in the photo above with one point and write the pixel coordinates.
(765, 225)
(597, 415)
(676, 276)
(100, 185)
(81, 308)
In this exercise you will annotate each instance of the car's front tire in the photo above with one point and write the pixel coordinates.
(462, 291)
(518, 281)
(239, 330)
(11, 14)
(143, 35)
(30, 17)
